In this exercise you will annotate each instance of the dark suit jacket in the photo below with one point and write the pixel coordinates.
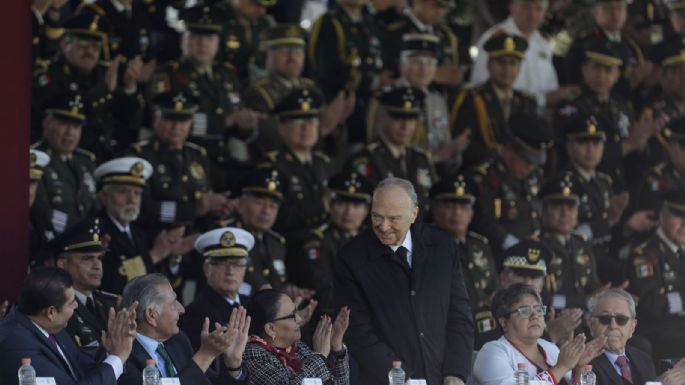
(20, 338)
(641, 369)
(181, 354)
(208, 304)
(419, 315)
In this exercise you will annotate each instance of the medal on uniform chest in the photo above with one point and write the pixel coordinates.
(424, 178)
(197, 171)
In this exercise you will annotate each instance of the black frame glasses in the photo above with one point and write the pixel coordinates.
(528, 311)
(292, 316)
(605, 319)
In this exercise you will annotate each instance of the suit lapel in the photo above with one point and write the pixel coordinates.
(93, 320)
(609, 368)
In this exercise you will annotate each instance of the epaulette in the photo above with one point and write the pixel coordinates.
(276, 235)
(197, 148)
(322, 156)
(477, 236)
(85, 153)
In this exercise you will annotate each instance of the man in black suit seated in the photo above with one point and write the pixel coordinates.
(612, 314)
(159, 338)
(35, 328)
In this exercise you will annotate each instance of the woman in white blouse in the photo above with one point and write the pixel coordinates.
(520, 313)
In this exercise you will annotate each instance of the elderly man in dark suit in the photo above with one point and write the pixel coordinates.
(158, 337)
(36, 329)
(403, 283)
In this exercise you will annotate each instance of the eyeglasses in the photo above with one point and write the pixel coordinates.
(605, 319)
(230, 263)
(527, 311)
(292, 316)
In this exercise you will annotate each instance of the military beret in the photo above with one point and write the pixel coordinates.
(413, 43)
(283, 35)
(674, 202)
(604, 52)
(532, 137)
(128, 171)
(502, 44)
(300, 103)
(176, 105)
(37, 162)
(674, 130)
(402, 102)
(226, 242)
(583, 127)
(203, 19)
(455, 188)
(82, 237)
(527, 257)
(561, 189)
(89, 26)
(350, 186)
(263, 181)
(66, 106)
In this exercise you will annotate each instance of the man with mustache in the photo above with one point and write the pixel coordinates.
(131, 251)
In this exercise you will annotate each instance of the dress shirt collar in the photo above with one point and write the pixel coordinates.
(233, 301)
(82, 297)
(407, 243)
(660, 232)
(612, 357)
(586, 175)
(123, 229)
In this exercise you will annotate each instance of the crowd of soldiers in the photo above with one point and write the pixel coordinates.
(154, 122)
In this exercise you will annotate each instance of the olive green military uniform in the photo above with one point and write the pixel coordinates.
(87, 324)
(659, 179)
(68, 188)
(594, 208)
(572, 271)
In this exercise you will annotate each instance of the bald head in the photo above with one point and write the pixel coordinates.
(393, 209)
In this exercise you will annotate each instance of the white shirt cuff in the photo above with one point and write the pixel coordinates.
(116, 364)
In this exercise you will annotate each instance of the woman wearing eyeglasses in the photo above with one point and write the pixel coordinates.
(520, 314)
(275, 355)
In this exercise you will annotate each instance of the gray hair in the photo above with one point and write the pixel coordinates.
(145, 290)
(505, 298)
(404, 184)
(594, 301)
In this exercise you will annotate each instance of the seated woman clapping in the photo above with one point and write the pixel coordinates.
(520, 313)
(275, 355)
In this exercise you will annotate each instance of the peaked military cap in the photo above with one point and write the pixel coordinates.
(203, 19)
(226, 242)
(37, 162)
(89, 26)
(532, 137)
(528, 257)
(283, 35)
(455, 188)
(561, 189)
(264, 181)
(82, 237)
(176, 105)
(420, 43)
(675, 5)
(403, 102)
(674, 202)
(604, 52)
(585, 127)
(128, 170)
(67, 106)
(266, 3)
(300, 103)
(674, 130)
(672, 54)
(503, 44)
(350, 186)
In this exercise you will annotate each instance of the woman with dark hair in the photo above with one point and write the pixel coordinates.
(275, 355)
(520, 314)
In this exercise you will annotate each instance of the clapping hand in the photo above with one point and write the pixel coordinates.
(570, 353)
(342, 321)
(321, 341)
(121, 330)
(305, 314)
(213, 344)
(561, 326)
(592, 349)
(240, 323)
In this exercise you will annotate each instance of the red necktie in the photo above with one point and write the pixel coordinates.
(622, 363)
(53, 341)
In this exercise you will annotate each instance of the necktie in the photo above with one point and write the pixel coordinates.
(53, 341)
(622, 363)
(401, 254)
(90, 305)
(168, 365)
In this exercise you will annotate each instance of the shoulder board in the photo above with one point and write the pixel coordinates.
(85, 153)
(196, 147)
(276, 235)
(107, 294)
(477, 236)
(322, 156)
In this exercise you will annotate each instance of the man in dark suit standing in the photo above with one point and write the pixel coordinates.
(35, 328)
(404, 286)
(159, 338)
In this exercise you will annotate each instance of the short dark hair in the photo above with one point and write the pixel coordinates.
(262, 309)
(504, 299)
(42, 288)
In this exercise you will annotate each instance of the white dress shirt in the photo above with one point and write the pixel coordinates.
(407, 245)
(150, 345)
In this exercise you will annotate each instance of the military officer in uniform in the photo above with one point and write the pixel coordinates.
(485, 109)
(219, 124)
(344, 54)
(69, 187)
(113, 104)
(40, 230)
(452, 202)
(79, 251)
(572, 269)
(508, 209)
(392, 155)
(657, 272)
(350, 196)
(45, 32)
(304, 172)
